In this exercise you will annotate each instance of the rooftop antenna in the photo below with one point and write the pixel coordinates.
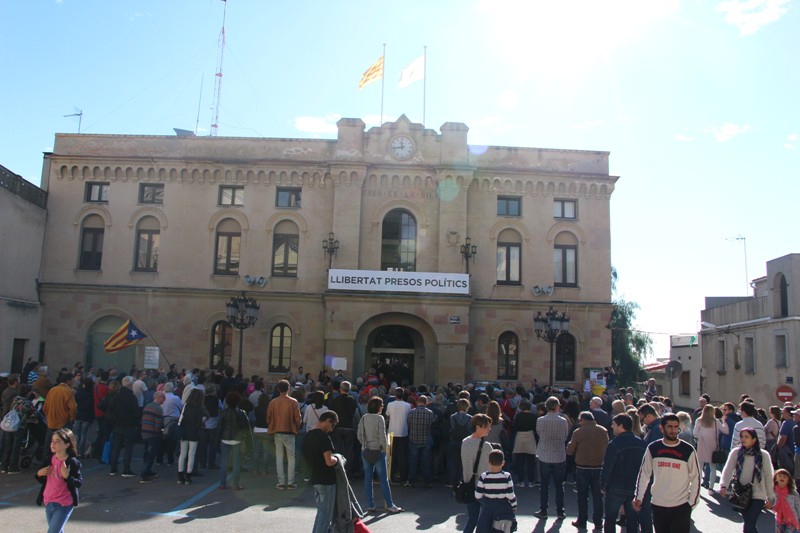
(218, 76)
(199, 101)
(79, 114)
(744, 244)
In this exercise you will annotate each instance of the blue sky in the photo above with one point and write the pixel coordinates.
(697, 101)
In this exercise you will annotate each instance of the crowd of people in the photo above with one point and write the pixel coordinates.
(632, 458)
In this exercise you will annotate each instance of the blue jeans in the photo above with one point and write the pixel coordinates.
(634, 521)
(263, 451)
(325, 496)
(525, 464)
(414, 451)
(588, 479)
(81, 430)
(380, 468)
(557, 471)
(235, 451)
(57, 516)
(750, 516)
(150, 449)
(473, 512)
(11, 443)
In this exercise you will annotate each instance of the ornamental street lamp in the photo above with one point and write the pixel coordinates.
(242, 314)
(548, 327)
(330, 246)
(468, 251)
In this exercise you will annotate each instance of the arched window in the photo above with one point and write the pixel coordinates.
(221, 342)
(565, 357)
(565, 260)
(226, 250)
(148, 235)
(507, 355)
(92, 232)
(782, 297)
(280, 349)
(284, 249)
(509, 258)
(399, 241)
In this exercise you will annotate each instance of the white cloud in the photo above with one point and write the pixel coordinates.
(790, 140)
(683, 138)
(727, 131)
(317, 125)
(751, 15)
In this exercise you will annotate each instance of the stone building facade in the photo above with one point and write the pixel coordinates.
(22, 220)
(750, 343)
(163, 230)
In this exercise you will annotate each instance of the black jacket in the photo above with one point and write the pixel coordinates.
(233, 424)
(621, 464)
(74, 480)
(123, 409)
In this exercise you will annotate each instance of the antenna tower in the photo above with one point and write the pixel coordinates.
(218, 76)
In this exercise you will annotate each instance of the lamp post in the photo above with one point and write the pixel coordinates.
(242, 313)
(330, 246)
(468, 251)
(548, 327)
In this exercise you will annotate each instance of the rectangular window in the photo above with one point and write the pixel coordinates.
(564, 209)
(509, 206)
(749, 355)
(96, 192)
(781, 360)
(288, 197)
(685, 385)
(508, 264)
(284, 256)
(91, 249)
(231, 195)
(722, 364)
(151, 193)
(565, 265)
(227, 253)
(147, 250)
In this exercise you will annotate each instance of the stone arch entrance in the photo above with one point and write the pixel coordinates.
(404, 346)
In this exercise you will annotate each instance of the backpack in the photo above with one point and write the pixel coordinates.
(460, 432)
(11, 421)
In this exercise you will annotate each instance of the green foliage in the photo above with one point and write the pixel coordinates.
(628, 347)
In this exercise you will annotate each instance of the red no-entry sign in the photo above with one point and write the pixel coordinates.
(785, 393)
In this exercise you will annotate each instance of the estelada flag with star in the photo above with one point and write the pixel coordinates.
(127, 335)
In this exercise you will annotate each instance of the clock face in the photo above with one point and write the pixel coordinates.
(402, 147)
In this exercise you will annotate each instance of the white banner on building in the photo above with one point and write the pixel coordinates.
(395, 281)
(151, 356)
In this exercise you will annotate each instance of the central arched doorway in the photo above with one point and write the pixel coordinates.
(392, 353)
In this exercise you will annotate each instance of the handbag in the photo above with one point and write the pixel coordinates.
(464, 491)
(719, 456)
(372, 456)
(740, 496)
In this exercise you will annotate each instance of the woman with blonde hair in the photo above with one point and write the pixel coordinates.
(617, 408)
(707, 429)
(637, 424)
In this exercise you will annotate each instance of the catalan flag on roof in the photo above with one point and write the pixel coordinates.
(373, 73)
(127, 335)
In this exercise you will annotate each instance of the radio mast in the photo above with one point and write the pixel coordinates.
(218, 76)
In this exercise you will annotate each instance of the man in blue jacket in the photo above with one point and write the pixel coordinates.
(618, 477)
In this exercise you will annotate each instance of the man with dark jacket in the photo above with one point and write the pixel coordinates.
(123, 409)
(618, 477)
(344, 435)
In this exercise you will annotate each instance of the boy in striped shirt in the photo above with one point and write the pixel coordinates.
(494, 490)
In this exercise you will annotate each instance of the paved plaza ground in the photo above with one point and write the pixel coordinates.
(164, 505)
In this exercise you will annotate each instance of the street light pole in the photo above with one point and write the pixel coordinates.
(242, 313)
(330, 247)
(548, 327)
(468, 251)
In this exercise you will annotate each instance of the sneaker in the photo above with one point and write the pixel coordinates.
(291, 486)
(561, 514)
(540, 514)
(304, 479)
(370, 510)
(181, 482)
(448, 485)
(280, 487)
(128, 474)
(13, 471)
(408, 485)
(394, 509)
(113, 473)
(148, 479)
(531, 484)
(521, 484)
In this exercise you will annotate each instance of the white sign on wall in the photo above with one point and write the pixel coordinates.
(151, 355)
(395, 281)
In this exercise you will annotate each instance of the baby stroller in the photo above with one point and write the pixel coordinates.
(32, 443)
